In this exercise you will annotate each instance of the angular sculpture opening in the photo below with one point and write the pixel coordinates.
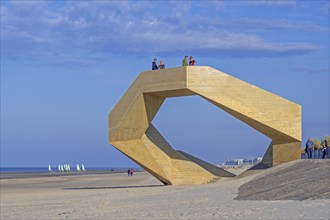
(131, 130)
(192, 124)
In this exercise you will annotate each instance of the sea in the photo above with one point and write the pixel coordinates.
(45, 169)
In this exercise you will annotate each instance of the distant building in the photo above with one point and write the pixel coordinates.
(243, 161)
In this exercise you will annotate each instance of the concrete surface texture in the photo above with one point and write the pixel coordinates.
(296, 180)
(131, 130)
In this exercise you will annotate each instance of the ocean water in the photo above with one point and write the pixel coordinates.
(45, 169)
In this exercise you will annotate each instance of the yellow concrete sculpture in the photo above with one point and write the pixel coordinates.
(132, 133)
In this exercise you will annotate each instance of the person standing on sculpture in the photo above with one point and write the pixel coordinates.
(184, 61)
(309, 148)
(192, 61)
(161, 65)
(325, 147)
(154, 65)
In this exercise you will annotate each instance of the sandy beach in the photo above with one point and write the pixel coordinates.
(117, 196)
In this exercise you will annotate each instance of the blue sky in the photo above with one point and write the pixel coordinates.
(65, 64)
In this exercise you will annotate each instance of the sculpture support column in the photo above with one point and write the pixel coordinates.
(281, 152)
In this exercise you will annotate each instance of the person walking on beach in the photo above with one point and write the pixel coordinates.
(184, 61)
(192, 61)
(132, 171)
(154, 65)
(309, 148)
(325, 147)
(128, 172)
(161, 65)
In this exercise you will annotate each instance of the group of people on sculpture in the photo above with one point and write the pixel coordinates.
(156, 67)
(310, 148)
(161, 65)
(191, 61)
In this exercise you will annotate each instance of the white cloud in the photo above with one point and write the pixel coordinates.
(281, 3)
(140, 28)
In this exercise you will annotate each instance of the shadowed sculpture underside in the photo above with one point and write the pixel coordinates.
(132, 133)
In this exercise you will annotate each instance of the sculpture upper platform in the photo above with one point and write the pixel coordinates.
(272, 115)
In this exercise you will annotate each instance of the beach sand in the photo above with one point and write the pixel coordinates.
(117, 196)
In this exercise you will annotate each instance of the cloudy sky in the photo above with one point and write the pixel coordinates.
(65, 64)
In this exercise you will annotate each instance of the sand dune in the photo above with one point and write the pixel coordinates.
(117, 196)
(296, 180)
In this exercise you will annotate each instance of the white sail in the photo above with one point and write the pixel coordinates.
(66, 167)
(83, 167)
(49, 168)
(62, 169)
(59, 168)
(78, 168)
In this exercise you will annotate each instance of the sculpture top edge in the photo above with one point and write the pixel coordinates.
(216, 86)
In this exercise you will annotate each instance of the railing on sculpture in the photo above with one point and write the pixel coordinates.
(317, 154)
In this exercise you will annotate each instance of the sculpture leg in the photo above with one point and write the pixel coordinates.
(281, 152)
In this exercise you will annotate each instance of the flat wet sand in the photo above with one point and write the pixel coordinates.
(117, 196)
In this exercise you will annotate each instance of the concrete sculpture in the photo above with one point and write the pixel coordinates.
(132, 133)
